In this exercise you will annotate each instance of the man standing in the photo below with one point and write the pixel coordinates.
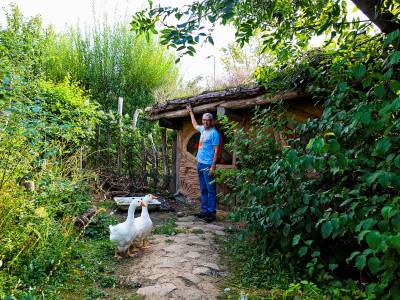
(206, 164)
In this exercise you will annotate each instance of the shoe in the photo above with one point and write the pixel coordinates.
(210, 218)
(200, 215)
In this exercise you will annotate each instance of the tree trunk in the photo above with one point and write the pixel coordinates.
(384, 20)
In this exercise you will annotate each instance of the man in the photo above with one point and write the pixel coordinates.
(207, 155)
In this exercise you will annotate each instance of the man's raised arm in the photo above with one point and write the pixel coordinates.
(194, 122)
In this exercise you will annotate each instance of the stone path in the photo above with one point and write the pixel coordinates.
(184, 266)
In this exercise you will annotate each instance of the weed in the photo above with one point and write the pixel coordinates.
(168, 227)
(94, 293)
(197, 231)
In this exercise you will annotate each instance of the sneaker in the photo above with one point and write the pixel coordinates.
(210, 218)
(200, 215)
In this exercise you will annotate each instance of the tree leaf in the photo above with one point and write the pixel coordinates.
(361, 262)
(302, 251)
(373, 239)
(395, 242)
(380, 91)
(359, 71)
(395, 58)
(374, 265)
(286, 230)
(326, 229)
(388, 212)
(383, 146)
(397, 161)
(296, 239)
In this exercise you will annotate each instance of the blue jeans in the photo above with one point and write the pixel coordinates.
(208, 189)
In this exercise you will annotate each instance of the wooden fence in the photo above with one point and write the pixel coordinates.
(131, 159)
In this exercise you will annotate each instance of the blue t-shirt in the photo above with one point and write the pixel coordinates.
(208, 139)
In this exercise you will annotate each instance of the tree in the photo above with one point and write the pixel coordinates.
(286, 24)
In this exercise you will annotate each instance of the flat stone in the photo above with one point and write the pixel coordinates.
(156, 291)
(173, 262)
(214, 227)
(212, 266)
(174, 248)
(192, 254)
(186, 219)
(167, 264)
(198, 228)
(155, 276)
(191, 293)
(184, 224)
(191, 278)
(201, 271)
(180, 214)
(198, 243)
(220, 233)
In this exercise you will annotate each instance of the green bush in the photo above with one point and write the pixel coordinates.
(112, 62)
(328, 202)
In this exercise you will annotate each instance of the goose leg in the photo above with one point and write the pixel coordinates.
(117, 255)
(131, 251)
(145, 244)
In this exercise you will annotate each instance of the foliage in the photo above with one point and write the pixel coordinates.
(328, 199)
(287, 26)
(111, 62)
(168, 227)
(42, 127)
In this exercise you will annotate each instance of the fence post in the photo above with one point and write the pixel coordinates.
(135, 119)
(174, 183)
(119, 161)
(154, 162)
(144, 164)
(109, 141)
(166, 176)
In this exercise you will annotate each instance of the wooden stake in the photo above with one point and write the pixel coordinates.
(144, 164)
(135, 119)
(119, 161)
(174, 185)
(166, 174)
(154, 162)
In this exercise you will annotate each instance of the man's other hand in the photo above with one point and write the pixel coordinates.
(189, 109)
(212, 169)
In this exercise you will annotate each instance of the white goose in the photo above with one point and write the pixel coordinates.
(143, 223)
(124, 233)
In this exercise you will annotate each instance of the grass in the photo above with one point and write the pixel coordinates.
(168, 227)
(93, 272)
(253, 276)
(197, 231)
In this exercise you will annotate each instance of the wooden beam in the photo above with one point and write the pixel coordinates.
(183, 112)
(164, 122)
(230, 104)
(262, 100)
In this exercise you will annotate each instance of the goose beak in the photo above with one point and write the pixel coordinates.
(153, 197)
(142, 204)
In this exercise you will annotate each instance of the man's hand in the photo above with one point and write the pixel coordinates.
(189, 109)
(212, 169)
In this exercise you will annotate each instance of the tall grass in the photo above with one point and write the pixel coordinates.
(111, 61)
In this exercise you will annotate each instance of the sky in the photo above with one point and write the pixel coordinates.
(62, 13)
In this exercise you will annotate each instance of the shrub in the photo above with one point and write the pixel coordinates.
(328, 201)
